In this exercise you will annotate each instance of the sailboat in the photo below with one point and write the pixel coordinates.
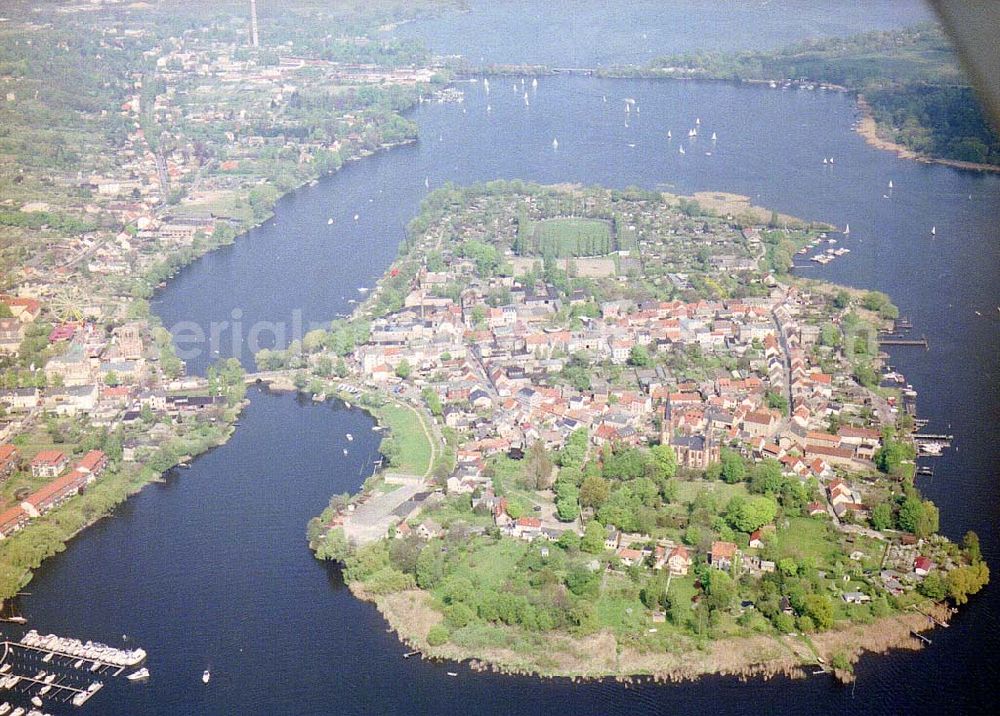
(697, 120)
(933, 231)
(329, 221)
(555, 144)
(489, 109)
(534, 83)
(526, 102)
(847, 229)
(486, 84)
(357, 216)
(825, 161)
(890, 183)
(831, 160)
(427, 182)
(692, 132)
(604, 98)
(681, 149)
(206, 675)
(669, 134)
(714, 137)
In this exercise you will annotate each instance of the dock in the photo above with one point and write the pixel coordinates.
(921, 342)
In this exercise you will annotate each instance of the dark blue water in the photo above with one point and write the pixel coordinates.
(215, 561)
(579, 33)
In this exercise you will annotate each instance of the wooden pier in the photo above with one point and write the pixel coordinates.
(921, 342)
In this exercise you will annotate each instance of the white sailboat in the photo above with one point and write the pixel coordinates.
(847, 229)
(680, 149)
(329, 221)
(890, 183)
(427, 182)
(526, 102)
(933, 231)
(489, 109)
(206, 676)
(831, 160)
(825, 161)
(555, 144)
(669, 134)
(714, 137)
(697, 120)
(604, 98)
(534, 83)
(486, 84)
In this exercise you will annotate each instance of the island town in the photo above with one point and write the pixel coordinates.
(646, 429)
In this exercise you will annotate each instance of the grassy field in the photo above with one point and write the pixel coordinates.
(491, 566)
(571, 237)
(407, 430)
(807, 537)
(687, 491)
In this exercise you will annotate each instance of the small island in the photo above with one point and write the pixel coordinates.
(625, 439)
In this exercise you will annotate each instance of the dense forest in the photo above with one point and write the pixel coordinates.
(910, 78)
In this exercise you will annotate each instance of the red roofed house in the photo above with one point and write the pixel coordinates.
(54, 494)
(629, 556)
(91, 465)
(679, 561)
(922, 566)
(13, 520)
(756, 540)
(527, 528)
(815, 508)
(8, 460)
(49, 463)
(722, 555)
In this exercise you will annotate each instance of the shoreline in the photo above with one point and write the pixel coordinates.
(759, 656)
(868, 128)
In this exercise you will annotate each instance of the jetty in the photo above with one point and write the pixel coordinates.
(920, 342)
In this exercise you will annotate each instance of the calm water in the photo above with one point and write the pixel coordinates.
(579, 33)
(215, 560)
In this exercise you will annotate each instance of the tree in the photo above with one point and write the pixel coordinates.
(638, 356)
(403, 370)
(970, 543)
(911, 514)
(593, 538)
(819, 608)
(750, 514)
(594, 491)
(966, 580)
(766, 477)
(882, 516)
(720, 589)
(933, 587)
(437, 635)
(777, 401)
(733, 469)
(665, 460)
(433, 401)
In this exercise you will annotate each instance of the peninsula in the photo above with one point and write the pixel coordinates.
(648, 447)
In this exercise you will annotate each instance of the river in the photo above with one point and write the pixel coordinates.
(212, 568)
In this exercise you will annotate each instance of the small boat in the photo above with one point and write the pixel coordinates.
(680, 149)
(831, 160)
(48, 657)
(555, 144)
(669, 134)
(139, 675)
(824, 160)
(329, 221)
(890, 183)
(50, 678)
(345, 451)
(534, 83)
(714, 137)
(933, 231)
(697, 120)
(427, 182)
(452, 673)
(350, 438)
(363, 289)
(78, 664)
(847, 229)
(486, 84)
(4, 708)
(489, 108)
(4, 669)
(44, 690)
(526, 102)
(36, 701)
(19, 711)
(206, 675)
